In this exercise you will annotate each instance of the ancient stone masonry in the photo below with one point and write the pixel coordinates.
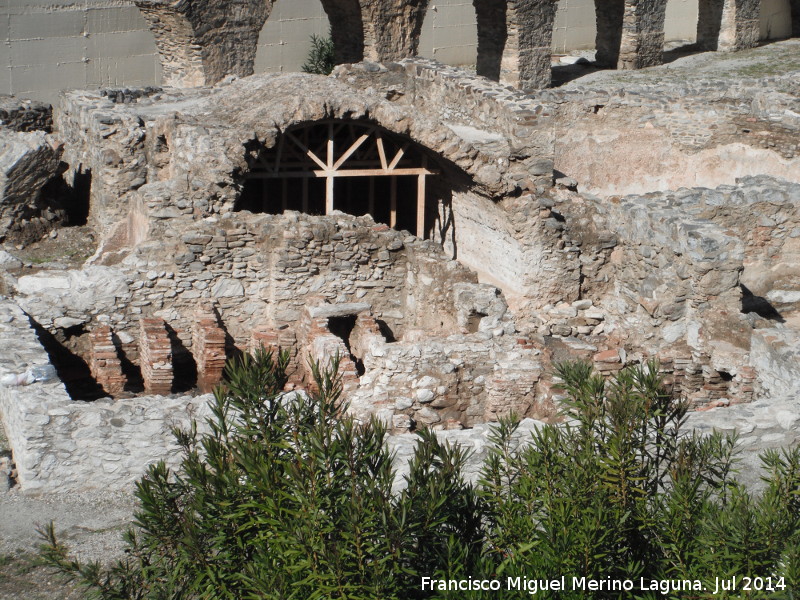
(321, 345)
(437, 231)
(514, 41)
(675, 133)
(155, 355)
(27, 162)
(200, 43)
(277, 340)
(630, 33)
(739, 25)
(642, 41)
(713, 281)
(104, 361)
(62, 445)
(25, 115)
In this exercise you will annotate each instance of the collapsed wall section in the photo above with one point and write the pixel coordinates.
(28, 161)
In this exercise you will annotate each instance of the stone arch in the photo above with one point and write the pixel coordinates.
(200, 43)
(352, 165)
(347, 29)
(709, 23)
(515, 40)
(728, 25)
(630, 33)
(383, 31)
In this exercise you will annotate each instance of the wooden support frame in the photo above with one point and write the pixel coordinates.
(303, 155)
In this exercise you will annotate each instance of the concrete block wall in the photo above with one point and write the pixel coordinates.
(50, 45)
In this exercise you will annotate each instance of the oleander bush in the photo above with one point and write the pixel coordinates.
(286, 497)
(621, 492)
(320, 59)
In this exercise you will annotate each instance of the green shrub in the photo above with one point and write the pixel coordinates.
(285, 498)
(320, 58)
(621, 492)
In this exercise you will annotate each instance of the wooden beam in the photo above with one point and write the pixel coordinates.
(329, 195)
(305, 149)
(393, 202)
(351, 149)
(421, 207)
(421, 201)
(330, 146)
(381, 150)
(342, 173)
(301, 163)
(398, 156)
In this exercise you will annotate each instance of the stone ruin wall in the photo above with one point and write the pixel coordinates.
(62, 445)
(257, 271)
(617, 141)
(190, 249)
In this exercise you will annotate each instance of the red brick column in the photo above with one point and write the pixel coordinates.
(104, 361)
(280, 339)
(155, 356)
(208, 348)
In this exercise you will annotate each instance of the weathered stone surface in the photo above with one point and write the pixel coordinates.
(17, 114)
(515, 40)
(642, 41)
(27, 163)
(200, 43)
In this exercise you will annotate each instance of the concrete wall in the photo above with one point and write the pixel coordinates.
(52, 44)
(49, 45)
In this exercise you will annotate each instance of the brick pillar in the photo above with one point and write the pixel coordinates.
(274, 340)
(104, 361)
(155, 356)
(208, 348)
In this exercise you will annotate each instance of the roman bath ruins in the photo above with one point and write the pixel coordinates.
(451, 233)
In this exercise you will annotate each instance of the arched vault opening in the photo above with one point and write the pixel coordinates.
(356, 167)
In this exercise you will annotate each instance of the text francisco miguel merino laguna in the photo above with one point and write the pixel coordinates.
(572, 584)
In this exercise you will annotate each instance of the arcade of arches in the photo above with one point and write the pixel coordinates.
(197, 46)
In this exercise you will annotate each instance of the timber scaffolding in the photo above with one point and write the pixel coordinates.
(331, 149)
